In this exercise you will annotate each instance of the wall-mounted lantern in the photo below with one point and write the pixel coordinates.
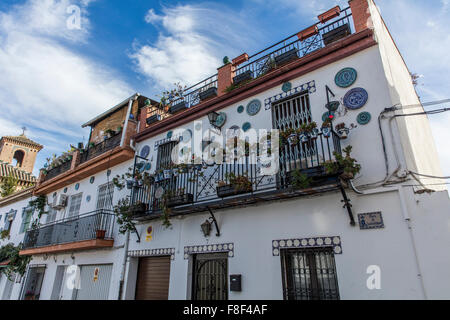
(212, 117)
(206, 228)
(207, 225)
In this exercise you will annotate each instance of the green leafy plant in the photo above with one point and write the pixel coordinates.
(300, 180)
(8, 185)
(39, 204)
(124, 216)
(238, 181)
(235, 86)
(4, 234)
(346, 163)
(17, 263)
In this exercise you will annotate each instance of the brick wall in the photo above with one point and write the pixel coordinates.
(361, 14)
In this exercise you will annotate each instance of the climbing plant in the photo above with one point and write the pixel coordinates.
(17, 263)
(8, 185)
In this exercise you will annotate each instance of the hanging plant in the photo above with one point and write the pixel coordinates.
(39, 204)
(124, 216)
(348, 164)
(17, 263)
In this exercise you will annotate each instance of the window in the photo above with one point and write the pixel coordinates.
(165, 155)
(309, 274)
(26, 219)
(105, 196)
(51, 216)
(292, 112)
(9, 218)
(18, 158)
(75, 204)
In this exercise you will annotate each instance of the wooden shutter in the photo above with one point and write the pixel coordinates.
(153, 278)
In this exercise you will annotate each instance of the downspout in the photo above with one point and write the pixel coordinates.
(124, 266)
(407, 219)
(127, 117)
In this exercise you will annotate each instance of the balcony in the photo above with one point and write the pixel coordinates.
(101, 148)
(93, 230)
(201, 188)
(244, 71)
(56, 171)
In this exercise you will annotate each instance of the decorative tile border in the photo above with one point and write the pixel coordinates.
(318, 242)
(209, 248)
(310, 87)
(153, 253)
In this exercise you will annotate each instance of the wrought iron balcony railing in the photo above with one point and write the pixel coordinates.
(101, 148)
(90, 226)
(292, 47)
(200, 187)
(56, 171)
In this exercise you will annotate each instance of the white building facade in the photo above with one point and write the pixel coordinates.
(238, 230)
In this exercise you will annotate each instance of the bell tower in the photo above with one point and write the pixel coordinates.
(19, 151)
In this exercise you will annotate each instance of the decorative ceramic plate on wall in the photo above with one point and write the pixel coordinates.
(287, 86)
(364, 118)
(253, 107)
(346, 77)
(221, 119)
(356, 98)
(145, 151)
(240, 109)
(246, 126)
(326, 115)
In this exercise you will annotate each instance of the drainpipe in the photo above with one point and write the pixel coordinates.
(407, 219)
(125, 126)
(124, 266)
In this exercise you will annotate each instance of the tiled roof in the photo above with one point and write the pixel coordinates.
(6, 169)
(23, 139)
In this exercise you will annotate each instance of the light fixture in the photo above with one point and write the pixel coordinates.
(212, 117)
(206, 228)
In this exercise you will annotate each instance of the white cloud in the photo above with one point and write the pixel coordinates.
(191, 43)
(45, 85)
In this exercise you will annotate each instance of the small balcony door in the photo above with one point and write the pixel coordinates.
(210, 277)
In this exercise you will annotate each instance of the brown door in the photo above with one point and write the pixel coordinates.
(153, 278)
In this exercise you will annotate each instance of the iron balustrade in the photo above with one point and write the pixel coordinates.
(56, 171)
(102, 147)
(264, 61)
(197, 185)
(73, 229)
(191, 95)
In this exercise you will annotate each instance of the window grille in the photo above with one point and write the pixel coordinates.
(165, 155)
(75, 204)
(105, 196)
(309, 274)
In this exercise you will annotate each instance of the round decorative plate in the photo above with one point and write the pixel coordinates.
(169, 134)
(356, 98)
(91, 180)
(332, 105)
(346, 77)
(65, 190)
(108, 173)
(246, 126)
(77, 186)
(221, 119)
(198, 126)
(145, 151)
(253, 107)
(187, 135)
(88, 198)
(287, 86)
(364, 118)
(240, 109)
(326, 115)
(148, 166)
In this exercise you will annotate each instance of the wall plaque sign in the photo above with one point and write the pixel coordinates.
(371, 220)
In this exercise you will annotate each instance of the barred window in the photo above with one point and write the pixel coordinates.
(291, 112)
(75, 204)
(309, 274)
(51, 216)
(105, 196)
(165, 155)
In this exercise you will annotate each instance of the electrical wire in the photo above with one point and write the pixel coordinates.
(429, 176)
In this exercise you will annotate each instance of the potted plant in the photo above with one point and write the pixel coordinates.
(178, 198)
(109, 133)
(154, 118)
(244, 76)
(345, 164)
(100, 234)
(342, 131)
(238, 184)
(207, 93)
(178, 105)
(139, 208)
(286, 57)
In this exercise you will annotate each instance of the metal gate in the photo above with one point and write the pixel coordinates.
(94, 282)
(210, 277)
(309, 274)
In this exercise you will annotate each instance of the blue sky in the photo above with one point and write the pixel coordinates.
(54, 79)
